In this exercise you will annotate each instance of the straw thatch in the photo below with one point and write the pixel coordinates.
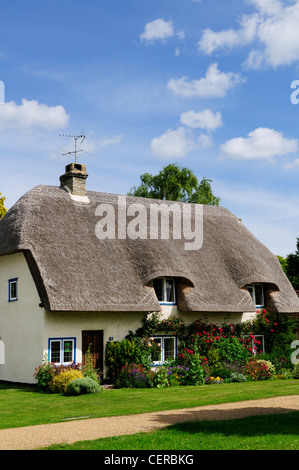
(75, 271)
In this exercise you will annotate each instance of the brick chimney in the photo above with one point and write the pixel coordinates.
(74, 179)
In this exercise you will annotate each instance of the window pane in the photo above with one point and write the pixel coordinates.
(249, 288)
(158, 357)
(55, 351)
(67, 351)
(158, 286)
(169, 290)
(168, 348)
(259, 297)
(13, 290)
(259, 344)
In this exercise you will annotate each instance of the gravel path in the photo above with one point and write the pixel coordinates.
(33, 437)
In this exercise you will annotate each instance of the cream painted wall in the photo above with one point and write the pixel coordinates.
(115, 325)
(217, 318)
(21, 322)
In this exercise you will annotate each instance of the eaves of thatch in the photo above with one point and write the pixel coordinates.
(76, 271)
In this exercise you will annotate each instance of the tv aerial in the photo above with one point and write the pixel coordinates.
(75, 137)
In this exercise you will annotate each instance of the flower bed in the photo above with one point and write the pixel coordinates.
(207, 353)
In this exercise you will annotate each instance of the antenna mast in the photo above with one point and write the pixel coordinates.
(75, 137)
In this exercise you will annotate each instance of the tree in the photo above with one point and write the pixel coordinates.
(293, 267)
(2, 208)
(290, 265)
(175, 183)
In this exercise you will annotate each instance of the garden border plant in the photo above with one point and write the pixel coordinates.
(207, 353)
(207, 350)
(57, 378)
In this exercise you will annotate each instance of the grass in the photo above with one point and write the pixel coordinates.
(268, 432)
(21, 406)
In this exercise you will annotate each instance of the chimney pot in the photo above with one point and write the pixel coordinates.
(74, 179)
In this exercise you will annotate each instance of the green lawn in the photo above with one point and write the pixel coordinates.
(21, 406)
(268, 432)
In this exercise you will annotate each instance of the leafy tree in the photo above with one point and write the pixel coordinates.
(293, 267)
(2, 208)
(290, 265)
(175, 183)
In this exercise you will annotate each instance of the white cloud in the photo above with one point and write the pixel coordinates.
(202, 120)
(211, 41)
(292, 165)
(158, 29)
(273, 31)
(32, 114)
(262, 143)
(215, 84)
(177, 143)
(268, 7)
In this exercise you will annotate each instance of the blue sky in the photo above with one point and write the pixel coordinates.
(203, 83)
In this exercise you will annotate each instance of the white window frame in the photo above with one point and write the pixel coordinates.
(164, 293)
(160, 339)
(257, 337)
(253, 295)
(62, 342)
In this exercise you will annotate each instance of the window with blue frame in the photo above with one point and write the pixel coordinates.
(13, 289)
(62, 350)
(168, 348)
(165, 290)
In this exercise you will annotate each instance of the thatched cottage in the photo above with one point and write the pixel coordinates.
(80, 267)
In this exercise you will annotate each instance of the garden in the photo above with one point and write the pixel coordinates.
(207, 354)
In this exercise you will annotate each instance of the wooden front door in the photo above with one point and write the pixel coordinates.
(94, 340)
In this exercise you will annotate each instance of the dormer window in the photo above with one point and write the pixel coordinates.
(257, 294)
(165, 290)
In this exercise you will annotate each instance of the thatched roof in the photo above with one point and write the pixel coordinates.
(75, 271)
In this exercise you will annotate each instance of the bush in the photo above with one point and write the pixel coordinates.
(177, 375)
(44, 374)
(222, 372)
(88, 369)
(257, 370)
(160, 377)
(82, 386)
(232, 350)
(132, 375)
(235, 377)
(296, 371)
(120, 353)
(60, 382)
(194, 367)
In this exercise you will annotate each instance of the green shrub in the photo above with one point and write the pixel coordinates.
(120, 353)
(82, 386)
(60, 382)
(232, 350)
(296, 371)
(160, 378)
(221, 372)
(88, 369)
(193, 362)
(235, 377)
(44, 374)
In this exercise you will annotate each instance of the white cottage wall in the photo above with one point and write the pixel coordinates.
(21, 322)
